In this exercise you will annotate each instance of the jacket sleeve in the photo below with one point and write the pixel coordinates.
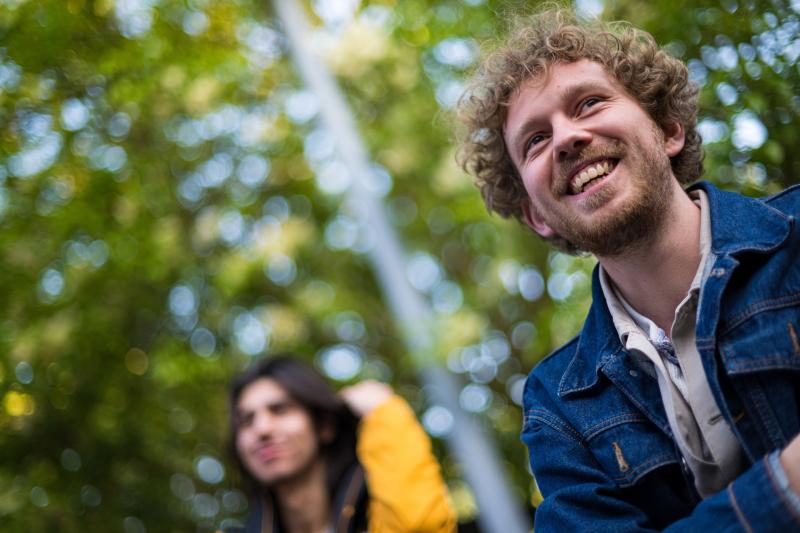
(406, 489)
(580, 495)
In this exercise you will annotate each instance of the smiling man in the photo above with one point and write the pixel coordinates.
(318, 462)
(676, 407)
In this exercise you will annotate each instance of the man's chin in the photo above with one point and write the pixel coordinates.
(612, 236)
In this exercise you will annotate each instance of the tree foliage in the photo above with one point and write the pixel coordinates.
(170, 208)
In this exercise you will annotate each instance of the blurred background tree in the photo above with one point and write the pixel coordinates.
(170, 208)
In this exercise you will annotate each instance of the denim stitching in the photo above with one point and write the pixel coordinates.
(526, 418)
(555, 423)
(739, 513)
(759, 307)
(762, 363)
(705, 343)
(766, 415)
(593, 431)
(635, 474)
(770, 199)
(562, 387)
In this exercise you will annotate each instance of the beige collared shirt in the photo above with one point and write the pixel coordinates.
(705, 439)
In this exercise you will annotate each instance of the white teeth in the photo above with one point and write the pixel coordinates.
(588, 174)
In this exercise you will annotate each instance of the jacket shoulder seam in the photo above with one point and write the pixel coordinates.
(554, 422)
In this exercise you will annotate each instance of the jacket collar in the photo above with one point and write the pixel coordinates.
(596, 345)
(738, 224)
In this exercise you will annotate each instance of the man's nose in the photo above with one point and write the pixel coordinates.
(569, 138)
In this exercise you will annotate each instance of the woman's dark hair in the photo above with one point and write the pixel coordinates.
(308, 388)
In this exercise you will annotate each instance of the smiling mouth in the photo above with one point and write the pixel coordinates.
(591, 174)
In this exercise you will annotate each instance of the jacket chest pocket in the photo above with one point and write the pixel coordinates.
(767, 339)
(761, 355)
(628, 447)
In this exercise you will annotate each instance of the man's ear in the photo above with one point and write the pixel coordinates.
(532, 219)
(674, 138)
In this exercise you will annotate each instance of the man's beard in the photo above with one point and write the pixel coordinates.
(629, 226)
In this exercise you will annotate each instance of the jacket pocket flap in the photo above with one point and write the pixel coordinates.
(628, 447)
(769, 340)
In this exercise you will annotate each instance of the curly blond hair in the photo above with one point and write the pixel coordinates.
(658, 81)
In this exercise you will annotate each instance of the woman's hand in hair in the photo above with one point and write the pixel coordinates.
(362, 398)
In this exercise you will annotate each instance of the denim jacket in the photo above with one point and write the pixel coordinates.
(600, 446)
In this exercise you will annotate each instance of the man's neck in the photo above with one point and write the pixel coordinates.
(655, 277)
(303, 501)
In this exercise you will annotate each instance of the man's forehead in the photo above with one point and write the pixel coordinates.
(562, 76)
(561, 82)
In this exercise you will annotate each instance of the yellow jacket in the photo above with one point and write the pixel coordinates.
(405, 485)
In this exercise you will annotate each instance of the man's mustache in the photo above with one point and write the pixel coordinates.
(593, 152)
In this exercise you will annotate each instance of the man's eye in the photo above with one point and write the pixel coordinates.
(589, 102)
(533, 141)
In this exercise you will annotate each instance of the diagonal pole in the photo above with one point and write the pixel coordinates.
(499, 509)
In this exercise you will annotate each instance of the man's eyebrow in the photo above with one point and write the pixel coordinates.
(572, 92)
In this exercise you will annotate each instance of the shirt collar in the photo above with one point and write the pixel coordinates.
(700, 198)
